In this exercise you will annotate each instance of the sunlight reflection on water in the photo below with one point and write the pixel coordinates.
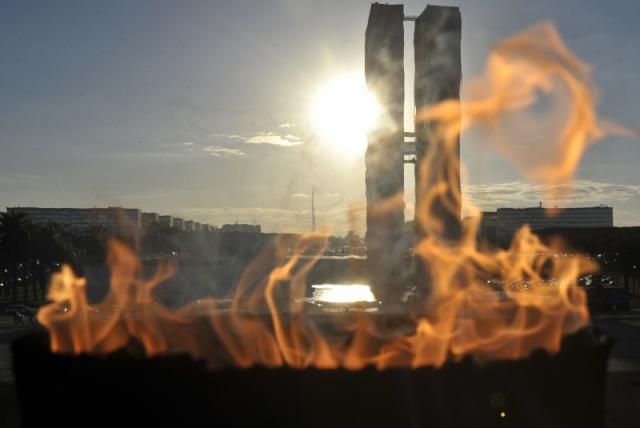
(342, 293)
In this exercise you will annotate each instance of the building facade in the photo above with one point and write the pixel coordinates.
(123, 221)
(438, 73)
(510, 220)
(127, 222)
(253, 228)
(488, 227)
(149, 219)
(178, 223)
(165, 221)
(384, 158)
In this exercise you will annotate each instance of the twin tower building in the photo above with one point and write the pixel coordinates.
(436, 43)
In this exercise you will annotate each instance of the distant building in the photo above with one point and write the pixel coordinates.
(255, 228)
(178, 223)
(509, 220)
(354, 243)
(122, 221)
(165, 221)
(197, 226)
(488, 227)
(149, 219)
(188, 225)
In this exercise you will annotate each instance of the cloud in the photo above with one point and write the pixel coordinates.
(301, 196)
(520, 194)
(266, 137)
(228, 136)
(187, 150)
(274, 139)
(308, 195)
(219, 151)
(159, 154)
(193, 150)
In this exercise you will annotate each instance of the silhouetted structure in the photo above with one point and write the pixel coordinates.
(149, 219)
(437, 77)
(438, 73)
(313, 208)
(488, 227)
(560, 390)
(178, 223)
(123, 221)
(384, 70)
(165, 221)
(248, 228)
(509, 220)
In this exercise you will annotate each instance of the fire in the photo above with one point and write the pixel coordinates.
(267, 323)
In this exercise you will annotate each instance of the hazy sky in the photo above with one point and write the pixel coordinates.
(201, 108)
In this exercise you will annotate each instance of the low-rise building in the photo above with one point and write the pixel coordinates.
(488, 227)
(178, 223)
(122, 221)
(165, 221)
(149, 219)
(510, 220)
(253, 228)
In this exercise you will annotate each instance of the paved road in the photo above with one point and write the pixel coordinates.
(8, 332)
(624, 329)
(9, 415)
(623, 379)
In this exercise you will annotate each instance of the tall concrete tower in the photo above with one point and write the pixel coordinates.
(384, 71)
(437, 77)
(438, 74)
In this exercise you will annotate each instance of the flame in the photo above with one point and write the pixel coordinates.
(475, 306)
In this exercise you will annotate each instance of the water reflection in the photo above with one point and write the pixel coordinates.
(342, 293)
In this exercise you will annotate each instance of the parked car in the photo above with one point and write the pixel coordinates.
(21, 313)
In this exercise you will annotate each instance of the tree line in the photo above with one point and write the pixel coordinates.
(30, 252)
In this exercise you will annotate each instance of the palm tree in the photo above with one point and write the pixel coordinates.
(50, 245)
(15, 246)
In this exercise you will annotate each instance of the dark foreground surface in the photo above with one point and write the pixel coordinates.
(562, 390)
(623, 400)
(622, 382)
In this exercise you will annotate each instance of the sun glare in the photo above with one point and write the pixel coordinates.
(342, 112)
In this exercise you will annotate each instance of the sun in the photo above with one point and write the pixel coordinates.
(342, 112)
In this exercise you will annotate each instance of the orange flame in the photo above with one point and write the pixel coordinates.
(267, 323)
